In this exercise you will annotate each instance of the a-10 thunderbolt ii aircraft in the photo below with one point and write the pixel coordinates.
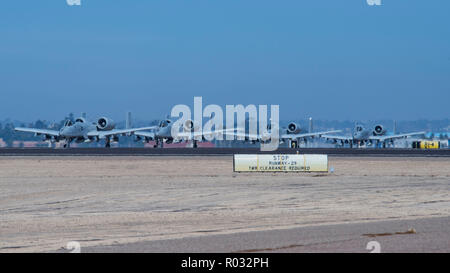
(84, 131)
(368, 136)
(163, 133)
(293, 134)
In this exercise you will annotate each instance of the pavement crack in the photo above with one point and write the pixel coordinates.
(409, 231)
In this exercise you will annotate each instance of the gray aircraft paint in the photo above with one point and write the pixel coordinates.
(83, 131)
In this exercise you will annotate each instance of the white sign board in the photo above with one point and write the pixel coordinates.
(280, 163)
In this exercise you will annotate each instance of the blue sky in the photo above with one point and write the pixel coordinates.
(328, 59)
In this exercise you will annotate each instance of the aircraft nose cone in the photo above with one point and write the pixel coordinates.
(64, 131)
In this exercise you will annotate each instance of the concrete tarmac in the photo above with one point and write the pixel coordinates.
(419, 235)
(48, 201)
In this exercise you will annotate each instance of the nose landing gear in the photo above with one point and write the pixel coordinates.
(107, 143)
(67, 143)
(158, 143)
(294, 144)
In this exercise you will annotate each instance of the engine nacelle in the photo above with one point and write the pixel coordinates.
(379, 130)
(293, 128)
(82, 120)
(191, 126)
(104, 124)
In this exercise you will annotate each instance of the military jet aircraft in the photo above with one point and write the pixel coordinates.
(369, 136)
(189, 131)
(83, 131)
(293, 133)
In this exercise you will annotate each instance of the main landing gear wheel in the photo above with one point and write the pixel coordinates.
(159, 144)
(66, 144)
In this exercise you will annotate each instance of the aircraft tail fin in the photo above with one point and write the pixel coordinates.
(128, 121)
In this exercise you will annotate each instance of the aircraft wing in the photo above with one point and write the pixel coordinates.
(150, 135)
(189, 135)
(243, 135)
(38, 131)
(348, 138)
(103, 134)
(297, 136)
(384, 138)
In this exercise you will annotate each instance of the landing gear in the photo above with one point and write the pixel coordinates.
(294, 144)
(108, 143)
(67, 143)
(159, 143)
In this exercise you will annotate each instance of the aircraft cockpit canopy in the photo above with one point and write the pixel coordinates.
(68, 123)
(164, 123)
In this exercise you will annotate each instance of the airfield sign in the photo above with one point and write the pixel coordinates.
(280, 163)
